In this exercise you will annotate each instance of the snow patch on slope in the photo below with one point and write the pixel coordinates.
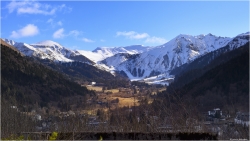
(102, 53)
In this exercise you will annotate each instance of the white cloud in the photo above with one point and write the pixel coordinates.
(87, 40)
(35, 10)
(157, 40)
(53, 24)
(74, 33)
(50, 21)
(59, 33)
(28, 30)
(14, 5)
(102, 40)
(59, 23)
(146, 36)
(34, 7)
(132, 34)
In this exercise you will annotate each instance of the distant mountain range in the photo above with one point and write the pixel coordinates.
(144, 63)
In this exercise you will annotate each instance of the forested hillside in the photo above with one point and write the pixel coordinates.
(189, 71)
(28, 82)
(224, 86)
(85, 73)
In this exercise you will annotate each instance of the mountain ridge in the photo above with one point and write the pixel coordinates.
(136, 61)
(178, 51)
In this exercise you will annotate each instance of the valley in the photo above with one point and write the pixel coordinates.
(124, 70)
(189, 84)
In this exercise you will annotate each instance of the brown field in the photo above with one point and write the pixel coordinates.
(99, 89)
(89, 112)
(95, 88)
(125, 99)
(112, 90)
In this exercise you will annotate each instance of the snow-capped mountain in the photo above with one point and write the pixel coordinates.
(133, 49)
(178, 51)
(101, 53)
(137, 61)
(239, 40)
(117, 59)
(48, 50)
(161, 59)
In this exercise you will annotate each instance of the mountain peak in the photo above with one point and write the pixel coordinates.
(48, 43)
(10, 42)
(183, 35)
(209, 34)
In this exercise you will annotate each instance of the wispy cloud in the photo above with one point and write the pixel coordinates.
(59, 23)
(146, 36)
(87, 40)
(28, 30)
(74, 33)
(34, 7)
(132, 34)
(102, 40)
(50, 21)
(53, 23)
(157, 40)
(59, 33)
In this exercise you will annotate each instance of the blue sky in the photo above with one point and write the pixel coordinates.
(86, 25)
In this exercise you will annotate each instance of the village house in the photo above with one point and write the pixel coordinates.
(93, 83)
(37, 117)
(215, 115)
(215, 112)
(14, 107)
(242, 118)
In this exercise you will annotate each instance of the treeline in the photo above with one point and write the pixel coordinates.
(28, 82)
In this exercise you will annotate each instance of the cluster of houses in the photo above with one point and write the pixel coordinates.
(216, 115)
(242, 119)
(220, 123)
(215, 121)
